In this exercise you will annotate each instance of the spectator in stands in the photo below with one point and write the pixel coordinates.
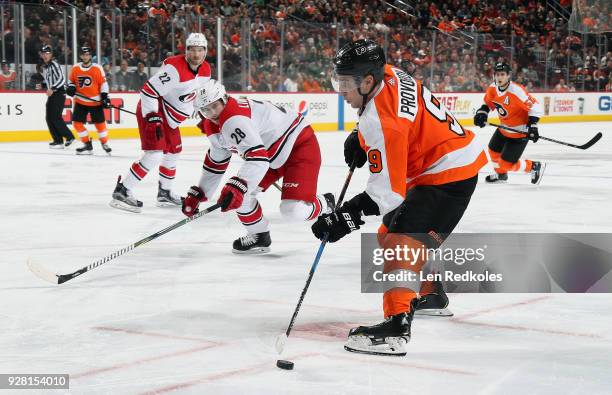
(7, 78)
(290, 84)
(123, 78)
(36, 80)
(138, 77)
(561, 86)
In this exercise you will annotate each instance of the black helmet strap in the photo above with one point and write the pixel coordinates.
(365, 96)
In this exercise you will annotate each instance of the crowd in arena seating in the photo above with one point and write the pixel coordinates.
(450, 45)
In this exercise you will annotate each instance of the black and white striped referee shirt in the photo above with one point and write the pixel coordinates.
(54, 76)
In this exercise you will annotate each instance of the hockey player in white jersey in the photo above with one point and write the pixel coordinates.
(166, 100)
(274, 142)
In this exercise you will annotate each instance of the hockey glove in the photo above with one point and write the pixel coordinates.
(71, 90)
(153, 128)
(363, 204)
(532, 129)
(353, 150)
(194, 197)
(336, 225)
(480, 119)
(232, 194)
(105, 100)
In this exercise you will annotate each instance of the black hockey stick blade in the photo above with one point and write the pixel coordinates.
(591, 142)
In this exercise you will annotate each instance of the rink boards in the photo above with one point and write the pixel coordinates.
(22, 114)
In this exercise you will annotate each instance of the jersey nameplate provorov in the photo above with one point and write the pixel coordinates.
(407, 104)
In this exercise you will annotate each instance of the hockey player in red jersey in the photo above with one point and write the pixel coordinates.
(274, 142)
(166, 100)
(518, 109)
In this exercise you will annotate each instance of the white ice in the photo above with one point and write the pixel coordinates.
(184, 315)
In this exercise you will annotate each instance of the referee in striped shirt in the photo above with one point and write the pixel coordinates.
(55, 83)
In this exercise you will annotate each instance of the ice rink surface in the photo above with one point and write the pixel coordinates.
(183, 315)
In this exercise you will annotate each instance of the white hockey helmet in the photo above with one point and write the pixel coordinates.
(212, 91)
(196, 40)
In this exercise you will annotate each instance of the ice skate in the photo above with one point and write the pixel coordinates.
(435, 303)
(85, 149)
(165, 198)
(497, 178)
(387, 338)
(537, 171)
(258, 243)
(123, 199)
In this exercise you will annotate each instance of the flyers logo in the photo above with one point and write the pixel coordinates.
(360, 50)
(84, 81)
(188, 97)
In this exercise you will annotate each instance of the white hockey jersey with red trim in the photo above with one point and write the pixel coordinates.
(261, 132)
(173, 89)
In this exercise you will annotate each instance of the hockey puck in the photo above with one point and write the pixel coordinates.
(287, 365)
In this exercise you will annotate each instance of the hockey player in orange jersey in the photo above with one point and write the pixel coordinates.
(516, 109)
(423, 170)
(87, 84)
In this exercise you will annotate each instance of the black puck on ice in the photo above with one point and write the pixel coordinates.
(287, 365)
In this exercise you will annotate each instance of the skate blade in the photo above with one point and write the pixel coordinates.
(393, 346)
(57, 147)
(434, 312)
(167, 204)
(85, 153)
(541, 174)
(252, 251)
(497, 182)
(124, 206)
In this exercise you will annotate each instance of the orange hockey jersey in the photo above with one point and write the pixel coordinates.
(514, 106)
(413, 139)
(89, 81)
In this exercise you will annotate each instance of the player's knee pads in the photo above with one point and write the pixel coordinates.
(101, 127)
(295, 210)
(79, 126)
(150, 159)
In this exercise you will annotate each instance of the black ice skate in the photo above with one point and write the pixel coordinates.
(54, 145)
(387, 338)
(258, 243)
(85, 149)
(69, 142)
(435, 303)
(537, 171)
(106, 148)
(123, 199)
(497, 178)
(165, 198)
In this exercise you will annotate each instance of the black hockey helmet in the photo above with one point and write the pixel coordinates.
(502, 66)
(86, 49)
(358, 59)
(46, 49)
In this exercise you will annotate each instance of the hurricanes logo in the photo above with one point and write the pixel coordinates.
(188, 97)
(84, 81)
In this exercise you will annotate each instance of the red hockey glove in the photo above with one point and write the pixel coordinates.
(232, 194)
(153, 127)
(194, 197)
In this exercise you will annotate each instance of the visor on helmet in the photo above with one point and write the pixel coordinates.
(345, 83)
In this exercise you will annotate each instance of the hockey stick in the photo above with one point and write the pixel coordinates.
(282, 338)
(587, 145)
(100, 101)
(53, 278)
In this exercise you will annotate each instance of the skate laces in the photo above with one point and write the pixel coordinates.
(248, 240)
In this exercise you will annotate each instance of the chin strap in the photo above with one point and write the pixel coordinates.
(364, 97)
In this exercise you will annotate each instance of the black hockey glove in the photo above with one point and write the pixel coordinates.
(353, 150)
(71, 90)
(532, 129)
(105, 100)
(362, 204)
(480, 119)
(337, 225)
